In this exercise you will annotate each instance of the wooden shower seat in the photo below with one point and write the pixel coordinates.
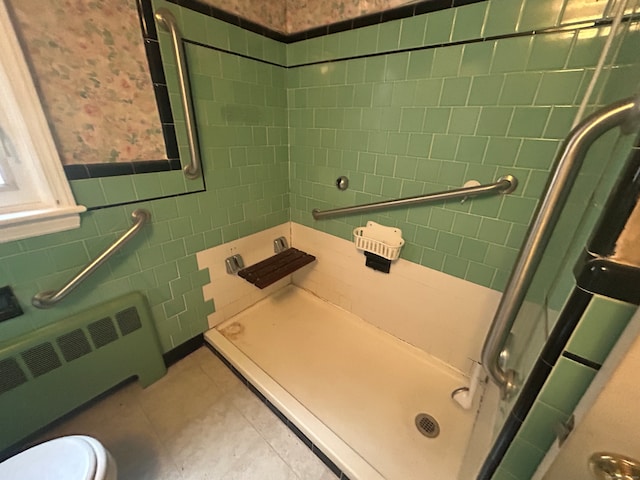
(274, 268)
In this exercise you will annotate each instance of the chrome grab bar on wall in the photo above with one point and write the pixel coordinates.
(568, 161)
(50, 298)
(168, 21)
(506, 184)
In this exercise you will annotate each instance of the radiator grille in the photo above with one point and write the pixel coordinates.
(128, 321)
(47, 372)
(73, 345)
(41, 359)
(102, 332)
(11, 375)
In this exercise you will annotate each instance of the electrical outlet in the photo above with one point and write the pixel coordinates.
(9, 306)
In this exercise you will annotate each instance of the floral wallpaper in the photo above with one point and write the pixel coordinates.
(92, 71)
(306, 14)
(271, 14)
(291, 16)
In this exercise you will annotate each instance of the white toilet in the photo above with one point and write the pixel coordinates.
(66, 458)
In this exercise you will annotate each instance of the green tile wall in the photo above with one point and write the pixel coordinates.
(274, 139)
(521, 460)
(242, 121)
(409, 123)
(276, 132)
(566, 385)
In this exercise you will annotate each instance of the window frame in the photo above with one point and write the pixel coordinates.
(8, 183)
(46, 203)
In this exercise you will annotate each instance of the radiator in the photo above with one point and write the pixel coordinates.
(55, 369)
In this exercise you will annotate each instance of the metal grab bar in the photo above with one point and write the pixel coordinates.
(506, 184)
(49, 298)
(564, 173)
(168, 21)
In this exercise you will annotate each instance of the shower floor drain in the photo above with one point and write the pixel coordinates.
(427, 425)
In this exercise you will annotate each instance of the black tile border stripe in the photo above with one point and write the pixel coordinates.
(227, 17)
(565, 325)
(241, 55)
(538, 376)
(174, 355)
(144, 200)
(147, 19)
(581, 360)
(158, 78)
(100, 170)
(404, 11)
(421, 47)
(298, 433)
(607, 277)
(548, 31)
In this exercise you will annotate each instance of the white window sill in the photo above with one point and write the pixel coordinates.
(18, 225)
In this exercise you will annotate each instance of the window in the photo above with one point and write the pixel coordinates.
(35, 197)
(7, 153)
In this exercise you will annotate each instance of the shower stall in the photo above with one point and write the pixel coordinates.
(458, 344)
(378, 407)
(366, 367)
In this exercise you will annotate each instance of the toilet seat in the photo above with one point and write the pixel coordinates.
(70, 458)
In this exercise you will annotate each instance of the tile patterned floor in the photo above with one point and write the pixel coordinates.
(197, 422)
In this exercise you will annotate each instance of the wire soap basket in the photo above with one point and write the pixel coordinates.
(375, 238)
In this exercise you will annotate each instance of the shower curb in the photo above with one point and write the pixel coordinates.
(283, 418)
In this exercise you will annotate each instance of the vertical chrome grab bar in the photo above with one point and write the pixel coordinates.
(168, 21)
(49, 298)
(564, 173)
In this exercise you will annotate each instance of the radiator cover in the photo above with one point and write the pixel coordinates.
(55, 369)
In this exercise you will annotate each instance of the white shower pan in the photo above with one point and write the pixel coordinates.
(351, 388)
